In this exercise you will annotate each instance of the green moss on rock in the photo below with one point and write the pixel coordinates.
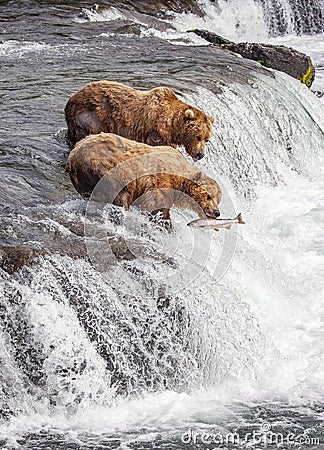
(309, 76)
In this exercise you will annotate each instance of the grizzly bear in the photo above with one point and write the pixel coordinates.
(155, 117)
(153, 178)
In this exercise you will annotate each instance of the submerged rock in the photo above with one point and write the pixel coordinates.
(102, 254)
(279, 57)
(13, 258)
(156, 8)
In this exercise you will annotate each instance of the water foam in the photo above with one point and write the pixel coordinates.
(19, 48)
(231, 20)
(96, 15)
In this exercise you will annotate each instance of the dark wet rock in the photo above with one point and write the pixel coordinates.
(14, 258)
(214, 38)
(103, 251)
(319, 94)
(5, 413)
(153, 8)
(286, 59)
(162, 7)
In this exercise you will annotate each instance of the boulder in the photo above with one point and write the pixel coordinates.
(13, 258)
(279, 57)
(155, 8)
(111, 250)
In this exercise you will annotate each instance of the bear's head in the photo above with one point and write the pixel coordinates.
(195, 131)
(207, 194)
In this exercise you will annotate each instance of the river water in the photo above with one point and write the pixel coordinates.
(205, 340)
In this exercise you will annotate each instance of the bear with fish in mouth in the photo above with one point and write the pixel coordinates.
(155, 117)
(133, 173)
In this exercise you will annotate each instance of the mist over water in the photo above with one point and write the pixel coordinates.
(204, 331)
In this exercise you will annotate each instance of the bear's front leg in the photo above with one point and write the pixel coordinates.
(154, 139)
(123, 198)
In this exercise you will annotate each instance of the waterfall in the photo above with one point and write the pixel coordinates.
(259, 19)
(298, 16)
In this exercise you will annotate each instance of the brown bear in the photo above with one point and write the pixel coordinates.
(155, 117)
(153, 178)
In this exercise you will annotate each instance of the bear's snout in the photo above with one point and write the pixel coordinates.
(212, 213)
(196, 155)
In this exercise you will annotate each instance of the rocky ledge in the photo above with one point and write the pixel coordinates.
(278, 57)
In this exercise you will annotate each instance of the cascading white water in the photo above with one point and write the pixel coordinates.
(291, 16)
(255, 19)
(260, 135)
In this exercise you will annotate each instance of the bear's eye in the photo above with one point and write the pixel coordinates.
(209, 197)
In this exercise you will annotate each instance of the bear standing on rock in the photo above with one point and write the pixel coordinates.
(153, 178)
(155, 117)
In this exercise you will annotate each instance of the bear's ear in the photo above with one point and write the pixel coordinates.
(212, 119)
(189, 114)
(197, 176)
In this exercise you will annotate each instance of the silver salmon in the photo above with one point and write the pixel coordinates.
(215, 224)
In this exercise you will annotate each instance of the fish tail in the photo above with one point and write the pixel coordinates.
(239, 218)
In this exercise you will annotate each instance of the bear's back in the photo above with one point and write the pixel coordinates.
(163, 93)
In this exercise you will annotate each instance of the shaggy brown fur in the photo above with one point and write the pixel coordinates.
(155, 117)
(154, 178)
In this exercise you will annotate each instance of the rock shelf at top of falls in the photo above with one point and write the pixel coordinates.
(278, 57)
